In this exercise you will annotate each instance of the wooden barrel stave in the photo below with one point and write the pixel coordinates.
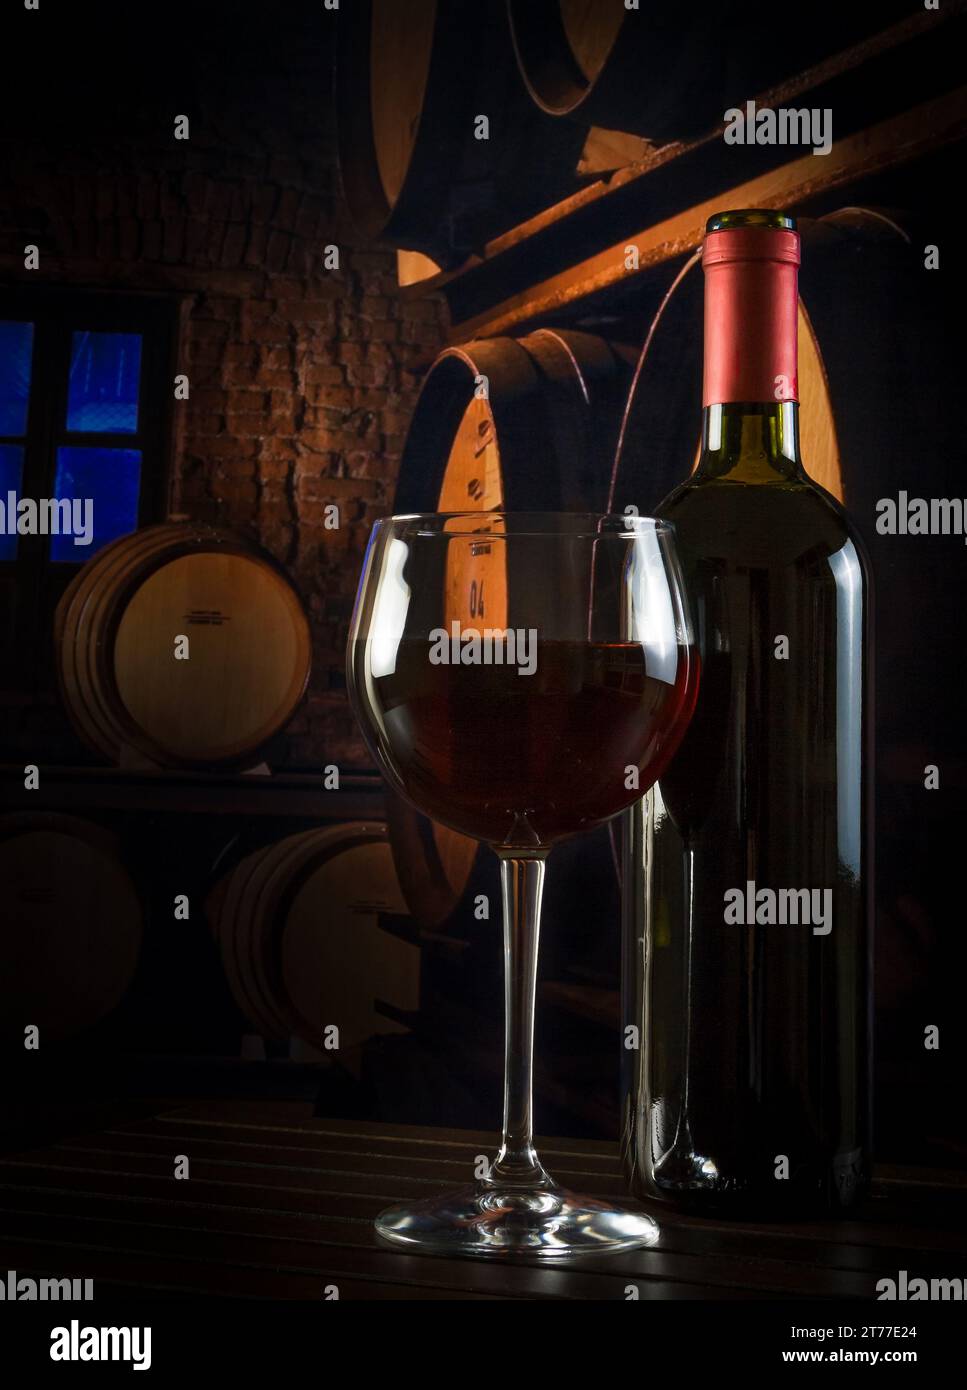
(73, 627)
(410, 85)
(371, 965)
(233, 910)
(267, 926)
(68, 652)
(651, 73)
(664, 73)
(96, 609)
(72, 926)
(532, 381)
(261, 929)
(412, 213)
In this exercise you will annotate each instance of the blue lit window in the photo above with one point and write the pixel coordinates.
(109, 480)
(85, 420)
(11, 471)
(16, 356)
(105, 373)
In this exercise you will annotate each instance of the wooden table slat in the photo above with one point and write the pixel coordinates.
(271, 1243)
(280, 1202)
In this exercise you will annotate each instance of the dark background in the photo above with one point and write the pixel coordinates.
(303, 382)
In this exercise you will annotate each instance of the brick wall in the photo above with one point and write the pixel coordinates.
(302, 378)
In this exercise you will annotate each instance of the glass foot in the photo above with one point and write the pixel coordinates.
(498, 1220)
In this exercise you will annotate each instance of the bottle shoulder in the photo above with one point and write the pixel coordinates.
(761, 523)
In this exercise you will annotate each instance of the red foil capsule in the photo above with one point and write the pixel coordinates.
(751, 315)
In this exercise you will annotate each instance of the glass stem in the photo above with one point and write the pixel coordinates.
(522, 886)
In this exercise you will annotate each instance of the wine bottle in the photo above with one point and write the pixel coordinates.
(748, 868)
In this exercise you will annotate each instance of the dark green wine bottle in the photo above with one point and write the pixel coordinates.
(748, 868)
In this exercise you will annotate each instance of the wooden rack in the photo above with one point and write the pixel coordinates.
(571, 259)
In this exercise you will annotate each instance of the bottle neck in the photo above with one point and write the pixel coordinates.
(749, 442)
(750, 431)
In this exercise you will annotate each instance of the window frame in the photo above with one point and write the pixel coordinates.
(31, 583)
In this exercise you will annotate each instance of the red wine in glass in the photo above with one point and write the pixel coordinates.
(516, 759)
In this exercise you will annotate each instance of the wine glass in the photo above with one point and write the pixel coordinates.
(520, 677)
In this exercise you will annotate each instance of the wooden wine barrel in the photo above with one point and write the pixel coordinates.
(540, 438)
(302, 941)
(665, 71)
(514, 425)
(249, 647)
(855, 263)
(71, 929)
(411, 81)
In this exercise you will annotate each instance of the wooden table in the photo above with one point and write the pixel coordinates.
(279, 1205)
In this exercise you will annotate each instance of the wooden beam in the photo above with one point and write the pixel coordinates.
(647, 160)
(884, 146)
